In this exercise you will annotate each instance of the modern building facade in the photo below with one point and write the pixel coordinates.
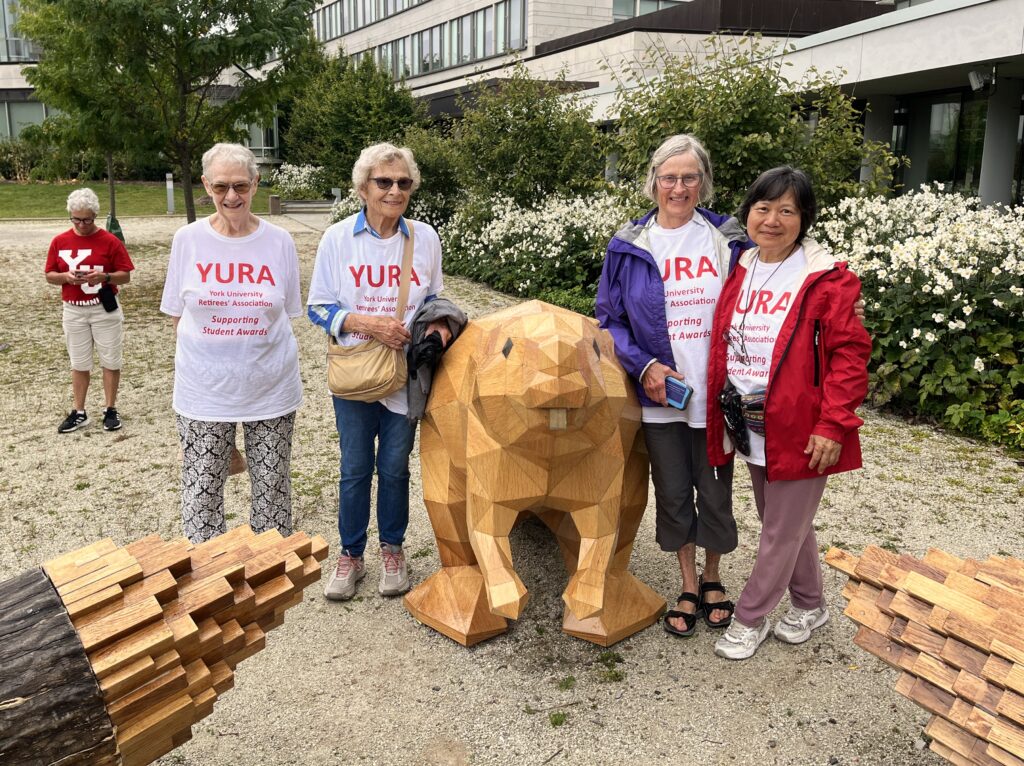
(942, 79)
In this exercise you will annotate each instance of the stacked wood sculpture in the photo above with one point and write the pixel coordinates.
(531, 412)
(955, 628)
(108, 655)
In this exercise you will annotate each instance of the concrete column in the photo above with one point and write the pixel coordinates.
(878, 125)
(997, 159)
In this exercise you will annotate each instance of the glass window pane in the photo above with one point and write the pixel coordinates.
(647, 6)
(465, 38)
(623, 9)
(479, 31)
(515, 25)
(942, 131)
(489, 31)
(970, 141)
(500, 15)
(23, 114)
(435, 47)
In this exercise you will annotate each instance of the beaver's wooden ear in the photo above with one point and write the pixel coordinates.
(507, 348)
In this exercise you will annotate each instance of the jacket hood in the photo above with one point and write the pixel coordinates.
(635, 232)
(818, 258)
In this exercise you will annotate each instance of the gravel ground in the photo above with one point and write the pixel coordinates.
(363, 682)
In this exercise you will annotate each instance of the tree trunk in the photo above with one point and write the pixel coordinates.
(110, 184)
(51, 707)
(185, 153)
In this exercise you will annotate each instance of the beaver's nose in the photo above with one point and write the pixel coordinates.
(550, 391)
(557, 355)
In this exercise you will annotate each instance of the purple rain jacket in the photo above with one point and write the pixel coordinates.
(631, 294)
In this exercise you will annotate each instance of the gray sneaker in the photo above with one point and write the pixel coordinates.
(741, 641)
(394, 572)
(341, 586)
(796, 626)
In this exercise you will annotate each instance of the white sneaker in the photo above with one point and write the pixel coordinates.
(394, 572)
(341, 586)
(741, 641)
(796, 626)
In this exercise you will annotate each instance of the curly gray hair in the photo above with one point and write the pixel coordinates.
(683, 143)
(84, 199)
(383, 154)
(230, 154)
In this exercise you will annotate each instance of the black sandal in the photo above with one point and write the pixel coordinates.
(689, 619)
(706, 607)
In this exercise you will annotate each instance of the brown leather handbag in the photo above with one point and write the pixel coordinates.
(370, 371)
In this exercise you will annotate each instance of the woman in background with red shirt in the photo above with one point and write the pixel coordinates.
(85, 260)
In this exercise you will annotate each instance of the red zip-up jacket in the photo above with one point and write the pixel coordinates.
(818, 374)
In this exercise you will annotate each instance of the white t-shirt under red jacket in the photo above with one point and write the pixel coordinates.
(237, 359)
(762, 306)
(689, 268)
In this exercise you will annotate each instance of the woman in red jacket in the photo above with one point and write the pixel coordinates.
(790, 360)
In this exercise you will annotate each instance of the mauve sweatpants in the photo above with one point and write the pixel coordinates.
(787, 554)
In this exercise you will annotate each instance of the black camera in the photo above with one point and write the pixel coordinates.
(732, 412)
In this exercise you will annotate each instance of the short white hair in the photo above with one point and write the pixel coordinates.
(683, 143)
(383, 154)
(84, 199)
(230, 154)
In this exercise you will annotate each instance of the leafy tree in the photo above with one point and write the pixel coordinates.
(441, 190)
(139, 73)
(527, 139)
(344, 109)
(734, 96)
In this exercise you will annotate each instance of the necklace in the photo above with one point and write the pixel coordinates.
(741, 352)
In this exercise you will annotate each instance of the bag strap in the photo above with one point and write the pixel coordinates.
(403, 284)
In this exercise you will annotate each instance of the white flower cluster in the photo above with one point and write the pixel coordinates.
(558, 244)
(934, 259)
(346, 206)
(299, 181)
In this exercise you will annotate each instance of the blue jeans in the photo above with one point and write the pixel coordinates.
(359, 423)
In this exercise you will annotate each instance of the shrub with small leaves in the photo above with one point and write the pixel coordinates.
(944, 284)
(299, 181)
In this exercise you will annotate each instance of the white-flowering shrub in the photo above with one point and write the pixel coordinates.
(433, 209)
(944, 285)
(346, 206)
(552, 251)
(299, 181)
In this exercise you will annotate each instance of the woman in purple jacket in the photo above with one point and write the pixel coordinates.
(660, 282)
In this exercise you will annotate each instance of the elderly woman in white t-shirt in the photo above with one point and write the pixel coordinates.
(352, 297)
(660, 283)
(232, 287)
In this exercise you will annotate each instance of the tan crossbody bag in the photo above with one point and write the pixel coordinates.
(369, 371)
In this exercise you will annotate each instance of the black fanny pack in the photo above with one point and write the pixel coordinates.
(108, 298)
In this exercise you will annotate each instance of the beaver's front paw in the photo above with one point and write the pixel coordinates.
(507, 597)
(584, 595)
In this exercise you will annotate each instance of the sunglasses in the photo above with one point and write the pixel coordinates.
(83, 221)
(386, 183)
(240, 188)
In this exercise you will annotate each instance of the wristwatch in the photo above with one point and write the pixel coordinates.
(107, 278)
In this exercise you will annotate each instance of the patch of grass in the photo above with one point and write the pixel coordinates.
(612, 676)
(955, 482)
(609, 659)
(530, 710)
(557, 718)
(47, 200)
(80, 485)
(421, 553)
(890, 546)
(567, 683)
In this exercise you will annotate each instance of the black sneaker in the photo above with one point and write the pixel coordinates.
(73, 422)
(111, 422)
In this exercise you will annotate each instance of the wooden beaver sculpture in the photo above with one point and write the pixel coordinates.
(531, 413)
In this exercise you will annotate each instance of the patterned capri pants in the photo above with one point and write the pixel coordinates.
(206, 449)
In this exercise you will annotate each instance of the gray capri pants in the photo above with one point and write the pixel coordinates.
(679, 468)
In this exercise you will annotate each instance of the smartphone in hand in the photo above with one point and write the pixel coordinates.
(677, 393)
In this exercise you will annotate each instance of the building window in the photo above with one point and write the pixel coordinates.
(956, 136)
(627, 9)
(343, 16)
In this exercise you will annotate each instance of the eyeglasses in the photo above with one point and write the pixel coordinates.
(690, 180)
(240, 188)
(83, 221)
(386, 183)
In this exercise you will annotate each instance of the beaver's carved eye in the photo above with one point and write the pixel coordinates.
(507, 348)
(597, 350)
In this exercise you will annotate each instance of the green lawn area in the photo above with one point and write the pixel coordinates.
(47, 200)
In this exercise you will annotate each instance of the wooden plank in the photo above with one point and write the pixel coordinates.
(842, 560)
(209, 638)
(272, 594)
(977, 691)
(255, 640)
(129, 620)
(199, 678)
(174, 714)
(174, 556)
(968, 586)
(887, 651)
(921, 638)
(969, 631)
(204, 703)
(866, 613)
(910, 608)
(997, 670)
(85, 604)
(1007, 735)
(104, 570)
(937, 594)
(151, 640)
(951, 736)
(1014, 678)
(207, 598)
(935, 672)
(1008, 648)
(75, 563)
(160, 586)
(1011, 705)
(149, 696)
(125, 680)
(942, 561)
(1002, 757)
(223, 677)
(960, 655)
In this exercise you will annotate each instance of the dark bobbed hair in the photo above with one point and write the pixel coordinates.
(774, 183)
